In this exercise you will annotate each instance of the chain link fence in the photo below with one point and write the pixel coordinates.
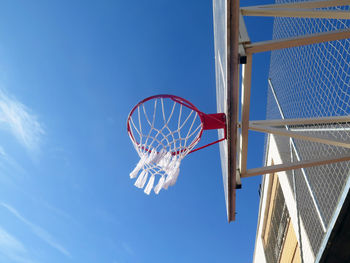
(307, 82)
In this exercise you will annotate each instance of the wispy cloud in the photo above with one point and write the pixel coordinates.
(2, 152)
(8, 161)
(57, 211)
(17, 118)
(40, 232)
(13, 249)
(11, 172)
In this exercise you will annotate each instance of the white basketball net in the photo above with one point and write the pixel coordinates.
(163, 132)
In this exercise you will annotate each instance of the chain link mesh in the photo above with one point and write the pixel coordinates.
(312, 81)
(308, 212)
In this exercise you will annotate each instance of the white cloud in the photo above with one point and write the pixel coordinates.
(2, 152)
(13, 249)
(7, 161)
(9, 242)
(40, 232)
(17, 118)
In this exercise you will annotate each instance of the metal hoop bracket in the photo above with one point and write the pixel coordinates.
(213, 121)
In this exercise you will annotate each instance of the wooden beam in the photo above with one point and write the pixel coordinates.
(296, 12)
(232, 102)
(306, 4)
(306, 121)
(297, 41)
(300, 136)
(293, 166)
(246, 84)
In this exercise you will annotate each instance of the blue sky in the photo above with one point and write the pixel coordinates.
(70, 72)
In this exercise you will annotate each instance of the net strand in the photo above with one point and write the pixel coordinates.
(178, 125)
(154, 117)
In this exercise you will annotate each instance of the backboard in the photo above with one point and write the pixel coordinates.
(226, 19)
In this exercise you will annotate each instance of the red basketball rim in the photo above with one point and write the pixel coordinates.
(177, 99)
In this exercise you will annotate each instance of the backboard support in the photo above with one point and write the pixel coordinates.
(232, 48)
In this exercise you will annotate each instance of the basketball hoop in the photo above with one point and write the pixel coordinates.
(163, 130)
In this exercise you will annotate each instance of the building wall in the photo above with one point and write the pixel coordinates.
(290, 248)
(296, 240)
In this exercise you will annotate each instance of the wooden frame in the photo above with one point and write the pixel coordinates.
(297, 135)
(246, 84)
(297, 41)
(296, 165)
(306, 4)
(300, 9)
(295, 12)
(308, 121)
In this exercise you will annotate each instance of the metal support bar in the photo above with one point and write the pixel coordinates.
(214, 121)
(242, 54)
(306, 121)
(246, 84)
(294, 165)
(243, 33)
(295, 12)
(318, 129)
(296, 135)
(297, 41)
(306, 4)
(243, 39)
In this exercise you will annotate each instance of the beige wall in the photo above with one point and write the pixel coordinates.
(268, 195)
(290, 249)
